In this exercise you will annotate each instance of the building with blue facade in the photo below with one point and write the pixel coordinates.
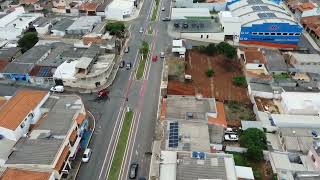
(265, 22)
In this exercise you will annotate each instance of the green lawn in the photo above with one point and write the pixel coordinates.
(140, 71)
(121, 147)
(155, 11)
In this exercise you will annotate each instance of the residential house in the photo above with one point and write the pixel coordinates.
(299, 8)
(311, 24)
(19, 69)
(196, 165)
(43, 25)
(83, 25)
(15, 23)
(305, 63)
(90, 70)
(89, 8)
(9, 54)
(53, 141)
(300, 103)
(275, 62)
(20, 174)
(59, 28)
(254, 60)
(178, 47)
(314, 153)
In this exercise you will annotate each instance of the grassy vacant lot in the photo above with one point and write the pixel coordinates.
(140, 71)
(121, 147)
(239, 111)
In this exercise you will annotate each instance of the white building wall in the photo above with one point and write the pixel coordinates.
(253, 66)
(43, 30)
(218, 6)
(58, 33)
(119, 11)
(212, 37)
(8, 133)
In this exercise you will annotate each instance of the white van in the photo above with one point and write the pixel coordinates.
(59, 89)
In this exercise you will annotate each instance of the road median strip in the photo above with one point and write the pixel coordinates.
(141, 67)
(155, 10)
(121, 147)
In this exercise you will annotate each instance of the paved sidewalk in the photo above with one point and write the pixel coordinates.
(155, 161)
(75, 164)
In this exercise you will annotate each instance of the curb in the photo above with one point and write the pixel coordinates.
(94, 126)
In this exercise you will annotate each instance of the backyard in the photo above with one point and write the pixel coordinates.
(219, 86)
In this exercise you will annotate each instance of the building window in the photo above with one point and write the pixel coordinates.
(279, 34)
(285, 34)
(207, 36)
(260, 33)
(272, 34)
(297, 34)
(254, 33)
(290, 34)
(31, 115)
(312, 158)
(201, 36)
(267, 34)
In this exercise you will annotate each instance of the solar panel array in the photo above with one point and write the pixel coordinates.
(260, 8)
(255, 2)
(44, 72)
(173, 134)
(266, 15)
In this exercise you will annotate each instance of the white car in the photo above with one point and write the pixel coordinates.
(163, 9)
(59, 89)
(231, 137)
(86, 155)
(229, 131)
(141, 30)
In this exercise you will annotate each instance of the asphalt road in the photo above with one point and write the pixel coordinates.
(142, 98)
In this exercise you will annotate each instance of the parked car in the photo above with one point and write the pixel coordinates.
(166, 19)
(163, 9)
(231, 137)
(162, 55)
(122, 63)
(128, 66)
(58, 89)
(86, 155)
(229, 131)
(126, 50)
(141, 30)
(154, 58)
(133, 170)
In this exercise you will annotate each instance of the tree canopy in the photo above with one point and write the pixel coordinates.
(255, 141)
(28, 40)
(239, 81)
(144, 50)
(116, 28)
(222, 48)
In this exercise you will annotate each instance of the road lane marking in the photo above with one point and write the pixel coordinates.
(109, 145)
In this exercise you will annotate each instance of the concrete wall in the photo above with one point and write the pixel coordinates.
(218, 6)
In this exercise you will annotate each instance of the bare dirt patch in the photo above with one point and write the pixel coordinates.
(219, 86)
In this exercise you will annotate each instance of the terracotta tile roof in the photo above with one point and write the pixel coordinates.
(221, 117)
(88, 6)
(305, 6)
(73, 136)
(313, 23)
(80, 118)
(18, 107)
(19, 174)
(254, 56)
(62, 158)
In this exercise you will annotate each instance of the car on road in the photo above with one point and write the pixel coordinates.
(133, 170)
(58, 89)
(166, 19)
(126, 50)
(154, 58)
(142, 178)
(121, 65)
(162, 55)
(86, 155)
(231, 137)
(128, 66)
(163, 9)
(141, 30)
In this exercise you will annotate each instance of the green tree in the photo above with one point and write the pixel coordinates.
(28, 40)
(239, 81)
(226, 49)
(144, 50)
(255, 141)
(210, 72)
(116, 28)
